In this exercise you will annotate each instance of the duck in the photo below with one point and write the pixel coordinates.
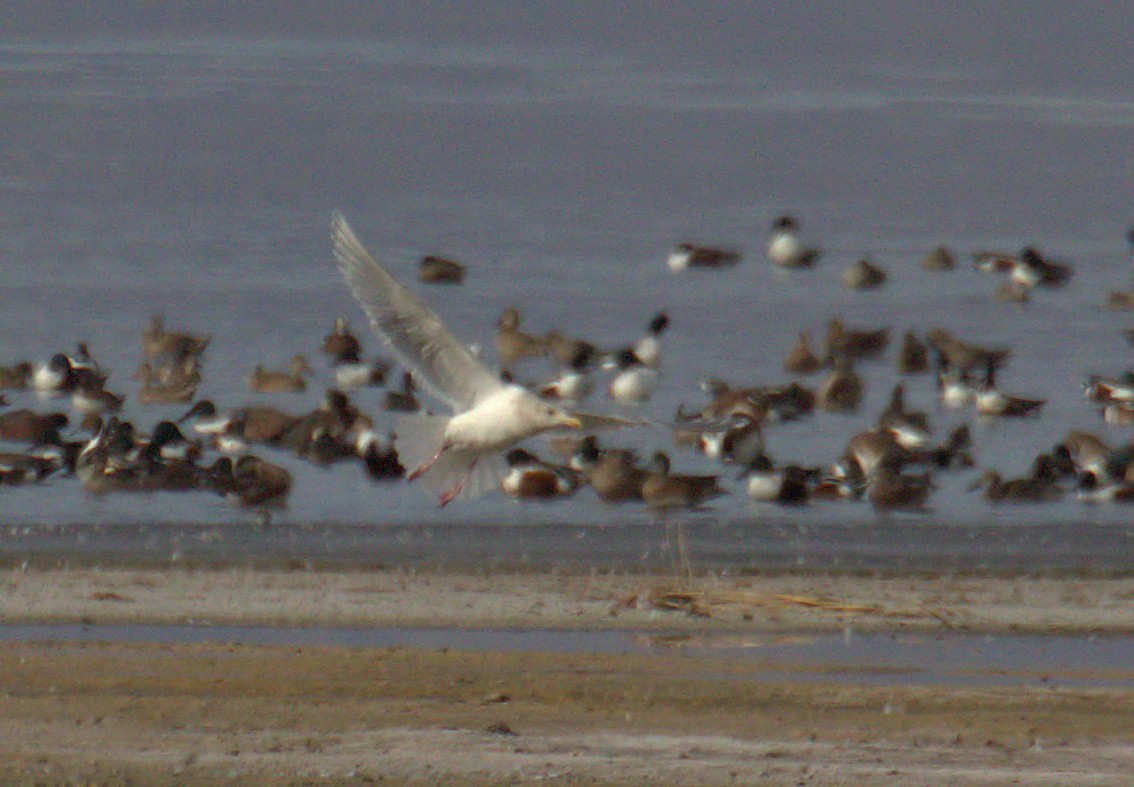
(862, 275)
(16, 468)
(868, 450)
(962, 357)
(994, 261)
(612, 473)
(913, 355)
(251, 481)
(1031, 269)
(170, 347)
(800, 360)
(340, 341)
(440, 270)
(55, 376)
(909, 428)
(888, 488)
(405, 400)
(512, 344)
(663, 490)
(938, 259)
(991, 402)
(765, 483)
(89, 398)
(687, 255)
(1087, 451)
(737, 443)
(529, 477)
(853, 344)
(255, 423)
(569, 352)
(784, 247)
(635, 382)
(842, 390)
(574, 383)
(648, 348)
(1016, 490)
(16, 377)
(27, 426)
(379, 456)
(270, 381)
(1092, 490)
(351, 372)
(1109, 389)
(180, 387)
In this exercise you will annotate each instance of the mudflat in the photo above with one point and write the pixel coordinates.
(218, 714)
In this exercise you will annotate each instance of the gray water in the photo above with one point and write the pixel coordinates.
(952, 659)
(158, 163)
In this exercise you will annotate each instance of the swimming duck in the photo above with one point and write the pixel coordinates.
(662, 490)
(180, 385)
(784, 247)
(842, 390)
(862, 275)
(379, 456)
(1016, 490)
(405, 400)
(765, 483)
(351, 372)
(270, 381)
(888, 488)
(962, 357)
(913, 356)
(574, 383)
(512, 344)
(251, 481)
(440, 270)
(340, 341)
(28, 426)
(800, 359)
(991, 402)
(16, 377)
(938, 259)
(1032, 270)
(841, 341)
(635, 382)
(687, 255)
(612, 473)
(530, 477)
(169, 347)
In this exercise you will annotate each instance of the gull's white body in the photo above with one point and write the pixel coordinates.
(458, 455)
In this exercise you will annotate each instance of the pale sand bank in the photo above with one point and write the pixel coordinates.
(224, 714)
(435, 599)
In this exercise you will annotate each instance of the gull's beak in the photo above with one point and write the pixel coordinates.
(571, 422)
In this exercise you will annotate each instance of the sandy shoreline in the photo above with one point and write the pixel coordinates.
(229, 714)
(776, 602)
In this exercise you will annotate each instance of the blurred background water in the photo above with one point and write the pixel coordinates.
(188, 164)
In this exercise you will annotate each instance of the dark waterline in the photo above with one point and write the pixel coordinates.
(880, 659)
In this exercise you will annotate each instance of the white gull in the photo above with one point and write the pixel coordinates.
(461, 454)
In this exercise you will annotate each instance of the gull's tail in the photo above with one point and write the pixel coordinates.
(419, 437)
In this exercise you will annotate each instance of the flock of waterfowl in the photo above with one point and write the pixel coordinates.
(891, 464)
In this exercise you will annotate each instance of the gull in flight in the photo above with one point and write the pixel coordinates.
(455, 455)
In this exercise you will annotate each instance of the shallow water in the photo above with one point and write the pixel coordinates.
(190, 167)
(942, 660)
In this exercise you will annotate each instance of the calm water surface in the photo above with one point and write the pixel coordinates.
(191, 167)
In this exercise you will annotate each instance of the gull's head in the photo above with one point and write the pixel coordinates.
(539, 415)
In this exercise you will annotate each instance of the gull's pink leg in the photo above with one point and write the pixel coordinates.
(448, 495)
(419, 472)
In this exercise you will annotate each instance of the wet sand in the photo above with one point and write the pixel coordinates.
(233, 714)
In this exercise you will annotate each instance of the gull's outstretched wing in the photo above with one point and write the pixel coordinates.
(411, 329)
